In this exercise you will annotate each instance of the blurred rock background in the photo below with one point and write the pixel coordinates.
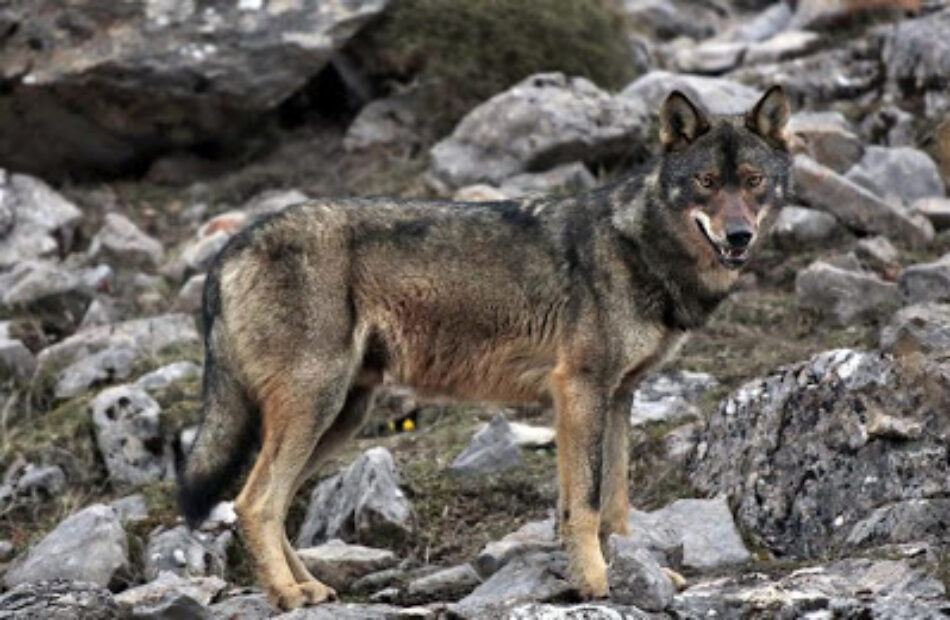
(791, 462)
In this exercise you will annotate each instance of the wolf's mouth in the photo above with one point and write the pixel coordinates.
(729, 257)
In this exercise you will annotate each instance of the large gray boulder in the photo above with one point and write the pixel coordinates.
(544, 120)
(129, 435)
(59, 599)
(35, 220)
(362, 504)
(88, 546)
(100, 87)
(809, 450)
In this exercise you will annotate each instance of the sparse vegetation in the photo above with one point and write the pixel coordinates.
(461, 53)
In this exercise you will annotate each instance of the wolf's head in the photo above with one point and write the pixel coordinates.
(722, 177)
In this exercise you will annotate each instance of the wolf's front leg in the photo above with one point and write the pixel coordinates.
(615, 504)
(581, 410)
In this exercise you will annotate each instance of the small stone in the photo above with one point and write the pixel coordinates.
(528, 436)
(878, 254)
(844, 297)
(253, 605)
(168, 375)
(923, 328)
(388, 122)
(669, 397)
(7, 550)
(43, 482)
(102, 367)
(480, 192)
(131, 508)
(572, 177)
(532, 536)
(893, 428)
(827, 138)
(797, 228)
(536, 577)
(635, 577)
(129, 435)
(338, 564)
(715, 94)
(16, 361)
(186, 553)
(100, 312)
(937, 210)
(448, 584)
(37, 221)
(926, 281)
(492, 450)
(709, 57)
(122, 242)
(783, 46)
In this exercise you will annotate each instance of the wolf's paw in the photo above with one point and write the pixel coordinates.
(591, 579)
(300, 594)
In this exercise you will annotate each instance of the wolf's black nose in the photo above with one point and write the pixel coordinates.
(739, 238)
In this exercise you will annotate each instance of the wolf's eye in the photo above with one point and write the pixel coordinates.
(754, 180)
(706, 181)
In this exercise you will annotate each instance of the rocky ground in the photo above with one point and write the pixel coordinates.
(791, 462)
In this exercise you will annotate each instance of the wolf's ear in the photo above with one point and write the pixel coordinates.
(769, 116)
(681, 122)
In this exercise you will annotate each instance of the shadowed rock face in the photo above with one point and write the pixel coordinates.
(103, 86)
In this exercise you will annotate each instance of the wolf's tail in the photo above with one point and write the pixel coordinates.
(229, 431)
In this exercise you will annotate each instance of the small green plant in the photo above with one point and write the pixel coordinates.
(462, 53)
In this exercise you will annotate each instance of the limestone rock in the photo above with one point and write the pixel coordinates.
(797, 228)
(794, 450)
(716, 94)
(918, 328)
(339, 564)
(926, 281)
(827, 138)
(937, 210)
(492, 450)
(544, 120)
(362, 504)
(843, 297)
(900, 173)
(170, 596)
(635, 577)
(129, 435)
(123, 243)
(670, 397)
(59, 599)
(186, 553)
(536, 577)
(532, 536)
(88, 546)
(98, 88)
(853, 205)
(35, 220)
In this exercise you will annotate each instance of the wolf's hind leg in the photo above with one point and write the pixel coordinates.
(615, 505)
(294, 417)
(349, 421)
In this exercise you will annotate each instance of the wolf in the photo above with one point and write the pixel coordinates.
(565, 301)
